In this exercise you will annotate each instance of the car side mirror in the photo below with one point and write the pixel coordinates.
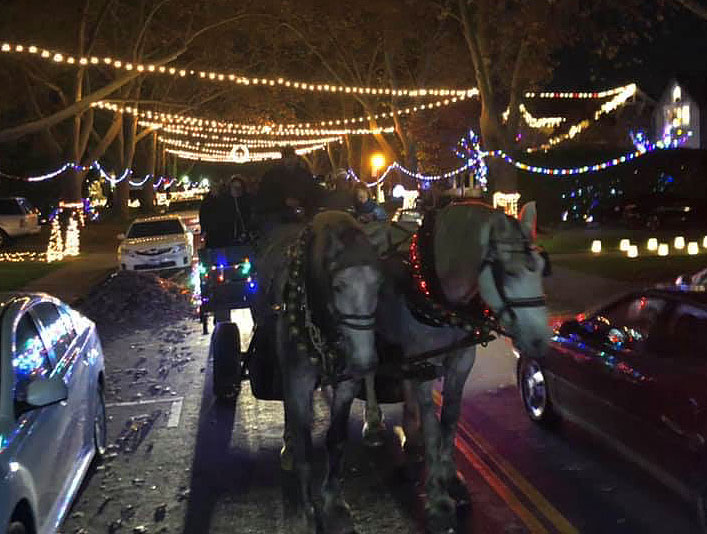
(45, 392)
(569, 327)
(120, 237)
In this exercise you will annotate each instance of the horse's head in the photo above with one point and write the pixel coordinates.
(510, 280)
(349, 282)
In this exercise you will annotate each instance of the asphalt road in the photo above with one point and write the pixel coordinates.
(180, 462)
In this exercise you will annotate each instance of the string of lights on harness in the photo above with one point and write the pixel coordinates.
(426, 302)
(301, 329)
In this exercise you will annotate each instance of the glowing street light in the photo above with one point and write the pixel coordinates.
(704, 242)
(679, 243)
(596, 246)
(663, 249)
(652, 244)
(377, 163)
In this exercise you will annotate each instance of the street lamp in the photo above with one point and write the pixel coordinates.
(377, 163)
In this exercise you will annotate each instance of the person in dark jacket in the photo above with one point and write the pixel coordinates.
(286, 187)
(243, 205)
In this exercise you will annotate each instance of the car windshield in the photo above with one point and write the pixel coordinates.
(9, 206)
(185, 205)
(155, 228)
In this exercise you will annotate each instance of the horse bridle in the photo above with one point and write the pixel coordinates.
(492, 261)
(360, 322)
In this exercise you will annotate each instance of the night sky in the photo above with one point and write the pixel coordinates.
(676, 47)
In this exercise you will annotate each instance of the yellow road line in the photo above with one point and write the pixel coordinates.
(503, 491)
(558, 521)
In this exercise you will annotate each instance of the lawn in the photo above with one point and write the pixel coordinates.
(643, 270)
(16, 275)
(580, 239)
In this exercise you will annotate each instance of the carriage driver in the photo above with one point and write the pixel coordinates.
(285, 189)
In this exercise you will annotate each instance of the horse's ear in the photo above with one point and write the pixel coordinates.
(499, 222)
(529, 220)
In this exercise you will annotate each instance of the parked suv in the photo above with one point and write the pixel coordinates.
(17, 217)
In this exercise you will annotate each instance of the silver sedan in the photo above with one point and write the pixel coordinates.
(52, 409)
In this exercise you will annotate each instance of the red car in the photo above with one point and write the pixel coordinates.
(633, 373)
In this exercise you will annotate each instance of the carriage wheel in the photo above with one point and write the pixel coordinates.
(226, 352)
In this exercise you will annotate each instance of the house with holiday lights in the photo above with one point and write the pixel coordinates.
(681, 110)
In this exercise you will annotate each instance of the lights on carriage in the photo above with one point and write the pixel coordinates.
(704, 242)
(693, 248)
(652, 244)
(596, 246)
(679, 243)
(663, 249)
(624, 244)
(632, 251)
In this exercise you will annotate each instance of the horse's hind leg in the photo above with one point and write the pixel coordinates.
(336, 516)
(373, 426)
(458, 367)
(440, 508)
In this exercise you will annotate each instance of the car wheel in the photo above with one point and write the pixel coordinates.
(100, 434)
(4, 239)
(16, 528)
(226, 352)
(535, 392)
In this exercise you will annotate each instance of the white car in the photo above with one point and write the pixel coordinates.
(188, 210)
(52, 409)
(17, 217)
(156, 243)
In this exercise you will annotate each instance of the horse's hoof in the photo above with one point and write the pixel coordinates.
(336, 517)
(287, 460)
(373, 434)
(459, 491)
(442, 518)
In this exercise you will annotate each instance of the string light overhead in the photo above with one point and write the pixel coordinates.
(620, 98)
(578, 95)
(214, 76)
(210, 124)
(257, 143)
(218, 156)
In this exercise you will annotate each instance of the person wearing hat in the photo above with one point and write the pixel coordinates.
(286, 187)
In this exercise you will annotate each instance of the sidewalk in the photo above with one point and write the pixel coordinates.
(76, 279)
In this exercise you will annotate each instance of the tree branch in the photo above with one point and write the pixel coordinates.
(695, 7)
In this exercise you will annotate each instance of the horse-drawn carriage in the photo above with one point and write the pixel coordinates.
(334, 297)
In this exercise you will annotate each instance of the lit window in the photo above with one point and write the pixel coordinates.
(686, 115)
(677, 93)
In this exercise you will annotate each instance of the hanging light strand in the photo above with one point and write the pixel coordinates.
(214, 76)
(202, 124)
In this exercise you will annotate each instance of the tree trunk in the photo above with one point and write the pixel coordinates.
(502, 176)
(148, 190)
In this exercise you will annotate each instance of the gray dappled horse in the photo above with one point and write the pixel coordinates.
(474, 250)
(341, 282)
